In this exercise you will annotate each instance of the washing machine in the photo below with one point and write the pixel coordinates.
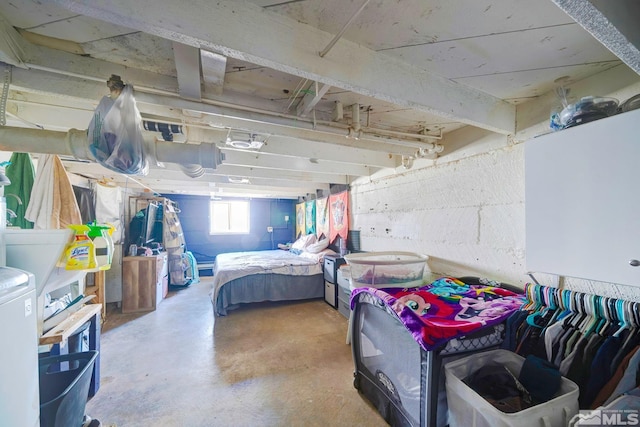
(19, 388)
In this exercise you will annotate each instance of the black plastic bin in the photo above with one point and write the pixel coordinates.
(64, 388)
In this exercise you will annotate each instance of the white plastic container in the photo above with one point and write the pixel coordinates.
(468, 409)
(386, 269)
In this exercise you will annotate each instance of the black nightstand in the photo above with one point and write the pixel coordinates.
(331, 265)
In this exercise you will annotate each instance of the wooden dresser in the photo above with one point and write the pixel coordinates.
(144, 282)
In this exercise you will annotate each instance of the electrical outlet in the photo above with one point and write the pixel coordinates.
(269, 229)
(286, 218)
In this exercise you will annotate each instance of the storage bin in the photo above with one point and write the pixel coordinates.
(468, 409)
(386, 269)
(64, 388)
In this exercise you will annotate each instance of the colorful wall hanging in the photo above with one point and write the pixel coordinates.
(322, 217)
(300, 220)
(310, 217)
(339, 215)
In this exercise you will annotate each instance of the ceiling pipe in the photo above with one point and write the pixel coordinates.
(74, 143)
(249, 115)
(167, 131)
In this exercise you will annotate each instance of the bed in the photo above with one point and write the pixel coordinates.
(273, 275)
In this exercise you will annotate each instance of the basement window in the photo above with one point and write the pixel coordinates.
(229, 217)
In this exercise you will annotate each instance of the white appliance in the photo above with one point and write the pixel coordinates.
(19, 387)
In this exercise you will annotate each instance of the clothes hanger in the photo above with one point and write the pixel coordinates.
(107, 182)
(538, 308)
(602, 330)
(624, 324)
(529, 292)
(593, 313)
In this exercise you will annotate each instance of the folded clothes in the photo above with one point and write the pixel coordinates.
(498, 386)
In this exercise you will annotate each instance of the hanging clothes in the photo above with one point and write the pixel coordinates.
(21, 174)
(625, 379)
(590, 339)
(53, 204)
(109, 208)
(85, 199)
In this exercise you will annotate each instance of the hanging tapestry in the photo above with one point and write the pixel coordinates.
(310, 217)
(339, 215)
(300, 223)
(322, 217)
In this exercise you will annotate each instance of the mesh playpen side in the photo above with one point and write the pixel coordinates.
(403, 381)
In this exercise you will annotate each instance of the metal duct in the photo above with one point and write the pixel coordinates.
(74, 143)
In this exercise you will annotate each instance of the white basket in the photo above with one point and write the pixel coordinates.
(468, 409)
(386, 269)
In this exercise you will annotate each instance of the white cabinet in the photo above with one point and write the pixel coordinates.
(582, 198)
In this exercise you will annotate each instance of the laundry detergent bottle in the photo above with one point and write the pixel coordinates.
(81, 253)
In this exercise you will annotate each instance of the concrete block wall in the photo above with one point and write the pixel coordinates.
(466, 213)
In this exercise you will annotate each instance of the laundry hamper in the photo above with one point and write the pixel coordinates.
(468, 409)
(402, 380)
(64, 388)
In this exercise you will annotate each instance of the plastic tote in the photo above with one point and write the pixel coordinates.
(64, 388)
(468, 409)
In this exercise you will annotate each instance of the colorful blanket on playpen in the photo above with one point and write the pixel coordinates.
(446, 309)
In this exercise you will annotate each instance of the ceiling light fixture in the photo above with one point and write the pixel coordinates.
(248, 141)
(238, 180)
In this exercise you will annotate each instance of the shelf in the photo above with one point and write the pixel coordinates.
(67, 327)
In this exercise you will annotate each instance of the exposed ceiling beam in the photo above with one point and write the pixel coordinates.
(612, 23)
(169, 180)
(187, 60)
(292, 47)
(10, 44)
(310, 99)
(42, 112)
(259, 160)
(66, 85)
(214, 67)
(275, 174)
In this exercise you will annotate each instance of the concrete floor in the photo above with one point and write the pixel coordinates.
(268, 364)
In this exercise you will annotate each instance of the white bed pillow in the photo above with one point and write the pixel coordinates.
(319, 257)
(318, 246)
(303, 242)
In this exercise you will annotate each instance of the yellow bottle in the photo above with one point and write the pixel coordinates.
(81, 253)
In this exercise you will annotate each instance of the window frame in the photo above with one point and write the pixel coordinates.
(229, 203)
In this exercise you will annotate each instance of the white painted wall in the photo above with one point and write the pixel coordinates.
(465, 211)
(466, 214)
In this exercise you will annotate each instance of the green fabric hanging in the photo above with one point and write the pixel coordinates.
(22, 175)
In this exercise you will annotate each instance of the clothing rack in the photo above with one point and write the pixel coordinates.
(625, 313)
(587, 337)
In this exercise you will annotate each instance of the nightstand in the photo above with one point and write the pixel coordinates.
(331, 265)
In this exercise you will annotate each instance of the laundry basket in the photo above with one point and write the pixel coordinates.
(386, 269)
(468, 409)
(64, 388)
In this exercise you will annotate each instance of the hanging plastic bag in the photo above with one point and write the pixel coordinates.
(115, 134)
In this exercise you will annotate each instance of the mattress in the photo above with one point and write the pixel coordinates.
(245, 277)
